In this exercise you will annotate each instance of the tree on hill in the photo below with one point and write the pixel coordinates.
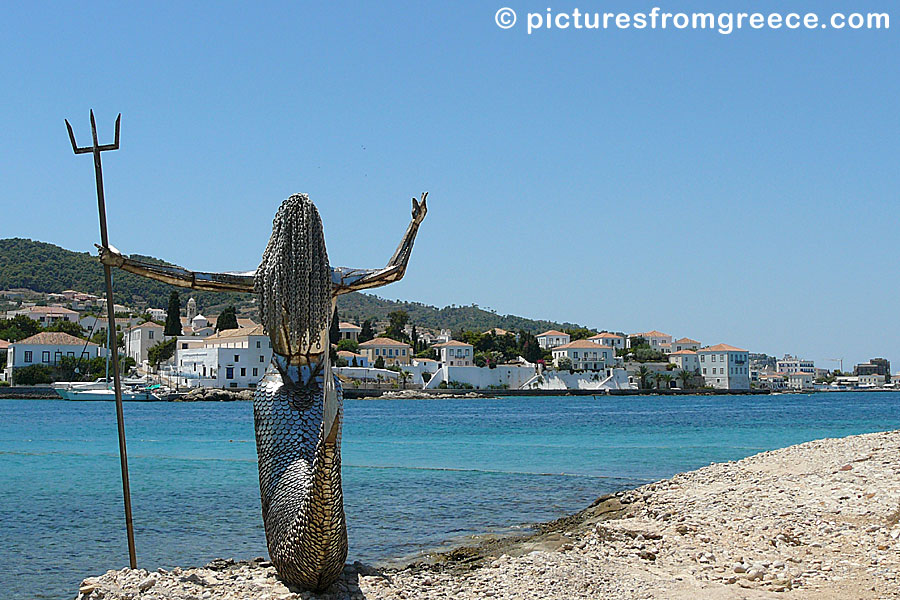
(66, 327)
(379, 362)
(18, 328)
(334, 337)
(161, 352)
(227, 320)
(348, 346)
(397, 321)
(367, 333)
(580, 333)
(173, 315)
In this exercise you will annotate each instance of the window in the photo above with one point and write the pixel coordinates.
(229, 372)
(255, 372)
(258, 344)
(243, 371)
(704, 370)
(237, 358)
(262, 358)
(45, 356)
(150, 335)
(70, 354)
(28, 356)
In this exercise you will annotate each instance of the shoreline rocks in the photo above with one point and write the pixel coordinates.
(790, 523)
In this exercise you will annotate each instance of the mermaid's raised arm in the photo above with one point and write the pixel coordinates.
(212, 282)
(350, 280)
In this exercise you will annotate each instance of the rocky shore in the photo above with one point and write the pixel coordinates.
(817, 520)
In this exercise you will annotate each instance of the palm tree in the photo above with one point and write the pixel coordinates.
(687, 379)
(643, 374)
(657, 377)
(666, 378)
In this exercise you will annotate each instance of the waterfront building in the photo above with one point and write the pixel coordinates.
(875, 366)
(871, 380)
(456, 354)
(791, 364)
(140, 338)
(725, 367)
(48, 348)
(685, 360)
(585, 355)
(233, 358)
(800, 380)
(349, 331)
(392, 351)
(613, 340)
(552, 338)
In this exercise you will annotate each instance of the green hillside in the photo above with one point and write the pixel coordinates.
(47, 268)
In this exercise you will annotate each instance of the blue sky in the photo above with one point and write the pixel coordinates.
(737, 189)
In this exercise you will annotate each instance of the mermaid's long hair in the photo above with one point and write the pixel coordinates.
(293, 280)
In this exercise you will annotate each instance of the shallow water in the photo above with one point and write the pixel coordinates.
(416, 472)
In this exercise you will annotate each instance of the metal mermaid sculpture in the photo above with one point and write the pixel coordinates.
(297, 407)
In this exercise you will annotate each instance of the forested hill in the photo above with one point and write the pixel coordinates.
(47, 268)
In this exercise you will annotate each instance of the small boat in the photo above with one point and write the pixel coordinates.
(134, 394)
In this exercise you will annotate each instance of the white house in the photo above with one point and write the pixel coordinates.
(392, 351)
(234, 358)
(349, 331)
(606, 338)
(585, 355)
(655, 339)
(140, 338)
(725, 367)
(157, 314)
(48, 348)
(456, 354)
(686, 360)
(552, 339)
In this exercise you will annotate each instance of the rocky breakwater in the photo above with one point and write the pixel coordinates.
(215, 395)
(818, 520)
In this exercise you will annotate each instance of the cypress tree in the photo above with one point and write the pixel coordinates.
(227, 320)
(367, 333)
(173, 315)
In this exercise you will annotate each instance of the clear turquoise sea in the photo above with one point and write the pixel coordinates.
(417, 473)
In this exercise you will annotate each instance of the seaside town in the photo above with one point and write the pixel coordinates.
(61, 339)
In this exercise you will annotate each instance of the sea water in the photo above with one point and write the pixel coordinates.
(417, 474)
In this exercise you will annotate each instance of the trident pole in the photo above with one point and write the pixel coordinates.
(96, 149)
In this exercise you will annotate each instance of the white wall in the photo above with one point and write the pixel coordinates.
(483, 377)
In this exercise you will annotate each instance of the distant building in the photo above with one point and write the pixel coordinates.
(871, 380)
(233, 358)
(685, 360)
(552, 338)
(876, 366)
(791, 364)
(613, 340)
(585, 355)
(157, 314)
(349, 331)
(48, 348)
(456, 354)
(392, 351)
(140, 338)
(725, 367)
(47, 315)
(655, 339)
(800, 380)
(685, 344)
(353, 359)
(191, 310)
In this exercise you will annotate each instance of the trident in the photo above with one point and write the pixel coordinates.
(96, 149)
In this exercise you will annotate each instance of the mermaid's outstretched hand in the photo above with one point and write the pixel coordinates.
(419, 208)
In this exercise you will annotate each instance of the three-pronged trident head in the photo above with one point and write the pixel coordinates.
(95, 146)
